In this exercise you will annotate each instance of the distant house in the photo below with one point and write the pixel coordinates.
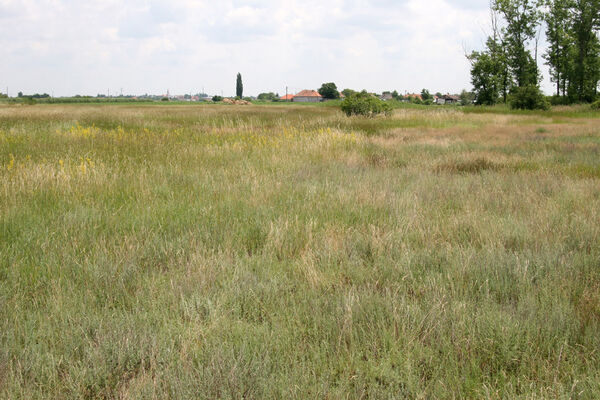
(414, 96)
(439, 100)
(386, 96)
(287, 97)
(451, 99)
(307, 96)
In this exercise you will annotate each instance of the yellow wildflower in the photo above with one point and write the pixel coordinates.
(11, 162)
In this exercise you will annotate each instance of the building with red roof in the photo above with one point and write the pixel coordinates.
(308, 96)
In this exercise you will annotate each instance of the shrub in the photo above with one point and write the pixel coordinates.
(267, 96)
(216, 99)
(528, 98)
(364, 104)
(595, 105)
(474, 166)
(559, 100)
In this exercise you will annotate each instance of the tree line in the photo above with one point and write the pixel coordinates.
(507, 69)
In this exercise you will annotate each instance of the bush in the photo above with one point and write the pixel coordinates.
(216, 99)
(267, 96)
(595, 105)
(559, 100)
(528, 98)
(364, 104)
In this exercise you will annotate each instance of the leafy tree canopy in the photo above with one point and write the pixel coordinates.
(329, 91)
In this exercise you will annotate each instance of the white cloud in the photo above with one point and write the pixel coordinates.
(70, 46)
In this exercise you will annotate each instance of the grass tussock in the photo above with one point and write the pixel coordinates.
(291, 252)
(474, 166)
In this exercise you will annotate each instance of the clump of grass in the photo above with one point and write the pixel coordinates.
(470, 166)
(375, 156)
(585, 171)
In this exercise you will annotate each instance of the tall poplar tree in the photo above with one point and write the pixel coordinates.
(559, 43)
(585, 74)
(239, 86)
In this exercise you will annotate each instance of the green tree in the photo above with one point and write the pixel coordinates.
(484, 77)
(496, 48)
(466, 98)
(559, 43)
(425, 95)
(585, 73)
(239, 86)
(348, 92)
(329, 91)
(506, 63)
(521, 18)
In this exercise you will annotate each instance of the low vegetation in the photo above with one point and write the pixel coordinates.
(173, 251)
(364, 104)
(528, 98)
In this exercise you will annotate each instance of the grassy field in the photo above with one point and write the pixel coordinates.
(293, 253)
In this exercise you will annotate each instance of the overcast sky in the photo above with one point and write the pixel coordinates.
(68, 47)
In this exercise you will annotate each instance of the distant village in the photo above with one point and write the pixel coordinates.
(303, 96)
(313, 96)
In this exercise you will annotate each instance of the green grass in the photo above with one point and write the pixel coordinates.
(291, 252)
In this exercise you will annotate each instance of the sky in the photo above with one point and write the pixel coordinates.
(87, 47)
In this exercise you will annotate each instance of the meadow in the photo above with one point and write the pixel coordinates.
(287, 252)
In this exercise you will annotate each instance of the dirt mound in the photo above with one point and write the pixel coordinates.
(236, 102)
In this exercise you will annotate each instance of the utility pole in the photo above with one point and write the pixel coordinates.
(286, 93)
